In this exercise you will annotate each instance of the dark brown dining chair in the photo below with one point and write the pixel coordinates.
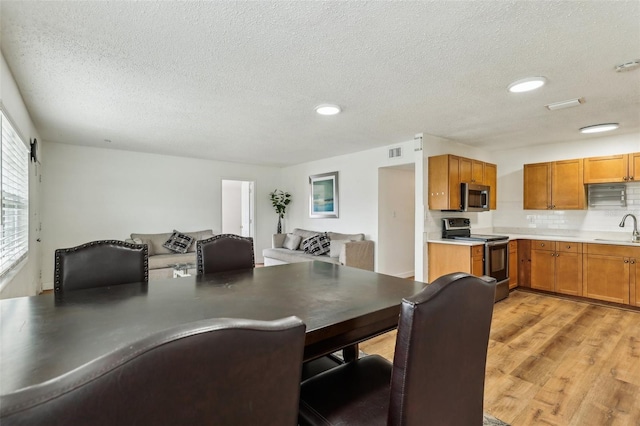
(438, 370)
(224, 252)
(100, 264)
(215, 371)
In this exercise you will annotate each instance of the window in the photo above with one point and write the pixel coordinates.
(14, 181)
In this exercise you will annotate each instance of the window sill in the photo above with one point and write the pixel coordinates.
(9, 276)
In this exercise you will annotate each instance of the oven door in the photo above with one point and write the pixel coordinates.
(496, 255)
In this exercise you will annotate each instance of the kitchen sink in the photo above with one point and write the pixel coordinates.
(616, 241)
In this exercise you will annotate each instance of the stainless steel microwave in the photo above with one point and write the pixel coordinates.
(474, 198)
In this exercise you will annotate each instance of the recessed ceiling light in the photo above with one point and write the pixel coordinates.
(526, 84)
(597, 128)
(328, 109)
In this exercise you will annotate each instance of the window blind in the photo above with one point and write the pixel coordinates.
(14, 239)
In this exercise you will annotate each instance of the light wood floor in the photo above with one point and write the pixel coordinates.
(553, 361)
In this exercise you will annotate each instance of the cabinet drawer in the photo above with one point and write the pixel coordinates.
(569, 247)
(543, 245)
(477, 251)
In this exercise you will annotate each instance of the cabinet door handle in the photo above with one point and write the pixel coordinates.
(630, 177)
(633, 261)
(626, 261)
(625, 178)
(568, 247)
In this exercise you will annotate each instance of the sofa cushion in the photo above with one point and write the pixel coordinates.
(164, 260)
(292, 241)
(178, 242)
(304, 233)
(336, 247)
(197, 236)
(317, 245)
(150, 251)
(155, 241)
(295, 256)
(350, 237)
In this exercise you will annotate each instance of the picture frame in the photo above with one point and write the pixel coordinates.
(323, 195)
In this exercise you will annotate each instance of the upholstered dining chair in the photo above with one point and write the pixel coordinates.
(224, 252)
(99, 264)
(438, 370)
(194, 374)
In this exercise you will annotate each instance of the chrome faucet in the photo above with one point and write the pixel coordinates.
(636, 235)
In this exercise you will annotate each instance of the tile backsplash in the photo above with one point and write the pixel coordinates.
(600, 220)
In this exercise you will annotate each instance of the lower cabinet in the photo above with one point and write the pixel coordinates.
(557, 266)
(447, 258)
(513, 264)
(610, 273)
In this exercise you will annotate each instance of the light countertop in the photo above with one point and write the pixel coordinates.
(614, 240)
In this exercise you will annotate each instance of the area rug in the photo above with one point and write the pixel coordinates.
(487, 420)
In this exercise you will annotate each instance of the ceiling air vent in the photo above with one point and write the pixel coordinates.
(395, 152)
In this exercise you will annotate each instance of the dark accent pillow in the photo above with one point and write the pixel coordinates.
(318, 244)
(178, 242)
(306, 243)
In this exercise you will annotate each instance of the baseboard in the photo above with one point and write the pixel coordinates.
(407, 274)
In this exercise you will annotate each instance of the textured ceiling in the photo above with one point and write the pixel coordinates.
(238, 81)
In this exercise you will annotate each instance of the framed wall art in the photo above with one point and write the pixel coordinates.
(323, 195)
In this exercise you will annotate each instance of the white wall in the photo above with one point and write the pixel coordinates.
(93, 193)
(396, 224)
(25, 279)
(232, 207)
(510, 215)
(357, 191)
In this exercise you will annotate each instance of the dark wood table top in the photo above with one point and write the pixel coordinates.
(45, 336)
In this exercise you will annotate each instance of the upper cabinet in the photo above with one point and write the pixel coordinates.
(555, 185)
(447, 172)
(612, 168)
(491, 179)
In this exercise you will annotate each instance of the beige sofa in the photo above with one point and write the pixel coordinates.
(347, 249)
(160, 257)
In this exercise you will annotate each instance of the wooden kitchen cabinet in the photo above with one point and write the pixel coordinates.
(556, 266)
(609, 273)
(471, 171)
(447, 171)
(513, 264)
(447, 258)
(444, 182)
(555, 185)
(524, 263)
(612, 168)
(491, 180)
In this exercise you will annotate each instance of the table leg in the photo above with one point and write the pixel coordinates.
(350, 353)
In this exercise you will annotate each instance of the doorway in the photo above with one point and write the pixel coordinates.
(396, 221)
(238, 207)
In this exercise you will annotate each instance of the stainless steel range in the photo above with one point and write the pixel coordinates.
(496, 251)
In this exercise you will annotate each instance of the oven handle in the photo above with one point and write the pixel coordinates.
(497, 243)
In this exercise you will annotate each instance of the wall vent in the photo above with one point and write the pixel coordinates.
(395, 152)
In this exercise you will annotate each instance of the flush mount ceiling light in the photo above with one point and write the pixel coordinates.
(526, 84)
(328, 109)
(597, 128)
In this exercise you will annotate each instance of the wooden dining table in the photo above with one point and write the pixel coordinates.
(45, 336)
